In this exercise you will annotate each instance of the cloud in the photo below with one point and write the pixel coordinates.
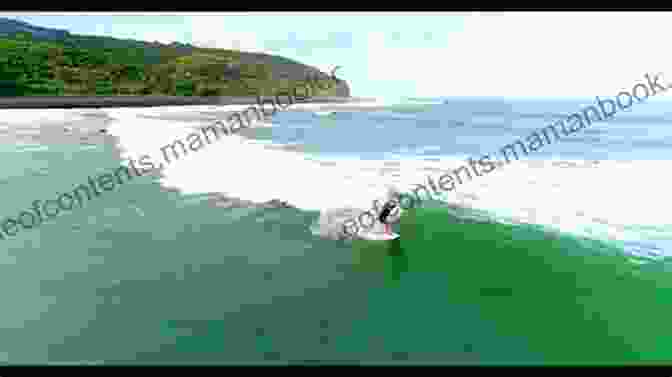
(210, 32)
(530, 54)
(306, 44)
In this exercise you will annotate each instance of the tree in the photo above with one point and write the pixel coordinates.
(134, 72)
(23, 36)
(90, 83)
(185, 88)
(42, 87)
(263, 72)
(70, 75)
(11, 88)
(166, 85)
(104, 88)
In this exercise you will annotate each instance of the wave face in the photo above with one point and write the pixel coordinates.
(576, 234)
(331, 157)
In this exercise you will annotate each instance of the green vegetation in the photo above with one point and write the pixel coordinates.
(89, 65)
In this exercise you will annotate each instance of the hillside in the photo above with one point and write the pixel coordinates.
(36, 61)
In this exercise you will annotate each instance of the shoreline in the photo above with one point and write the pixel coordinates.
(82, 102)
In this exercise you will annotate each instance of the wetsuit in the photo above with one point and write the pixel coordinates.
(385, 212)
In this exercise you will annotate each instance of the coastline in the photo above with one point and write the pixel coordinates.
(82, 102)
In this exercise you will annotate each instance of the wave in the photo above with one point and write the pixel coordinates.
(532, 282)
(585, 197)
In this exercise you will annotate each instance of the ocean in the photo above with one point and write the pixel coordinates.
(558, 258)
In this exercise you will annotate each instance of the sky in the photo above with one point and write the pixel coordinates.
(414, 54)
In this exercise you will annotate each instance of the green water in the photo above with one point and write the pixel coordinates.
(143, 274)
(562, 300)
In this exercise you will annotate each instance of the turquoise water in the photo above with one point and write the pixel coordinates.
(152, 273)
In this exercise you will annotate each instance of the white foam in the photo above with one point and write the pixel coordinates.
(245, 169)
(35, 117)
(323, 113)
(612, 199)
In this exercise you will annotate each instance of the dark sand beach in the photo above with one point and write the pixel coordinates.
(74, 102)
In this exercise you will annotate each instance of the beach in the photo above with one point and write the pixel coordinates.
(82, 102)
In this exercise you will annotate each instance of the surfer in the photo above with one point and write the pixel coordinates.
(385, 213)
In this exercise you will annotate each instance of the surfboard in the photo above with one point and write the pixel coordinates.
(378, 236)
